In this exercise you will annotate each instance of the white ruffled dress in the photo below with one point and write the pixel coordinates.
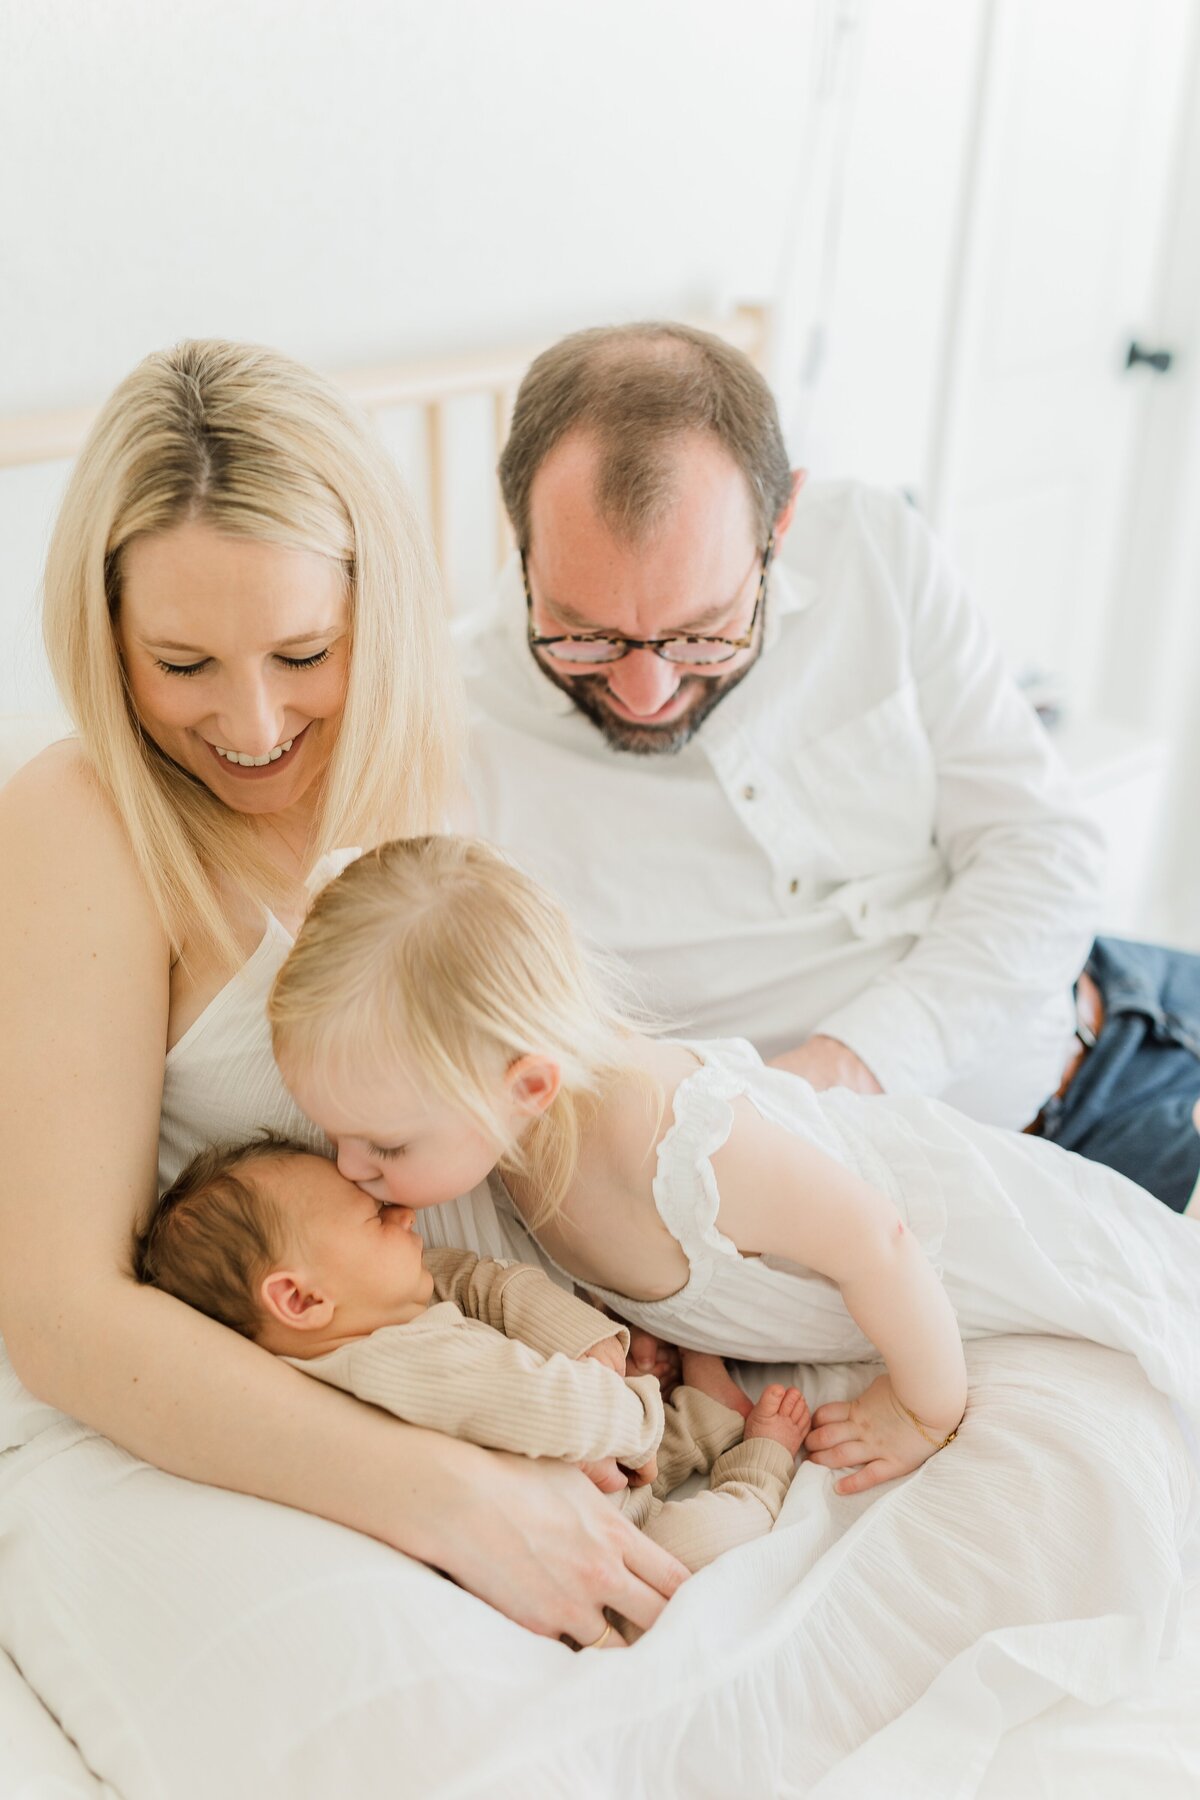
(1026, 1237)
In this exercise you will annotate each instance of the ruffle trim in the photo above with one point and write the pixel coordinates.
(685, 1183)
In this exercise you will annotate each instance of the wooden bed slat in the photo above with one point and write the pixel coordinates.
(54, 436)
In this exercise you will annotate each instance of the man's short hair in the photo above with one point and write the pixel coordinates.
(637, 389)
(215, 1234)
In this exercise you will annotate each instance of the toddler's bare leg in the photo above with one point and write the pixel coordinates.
(709, 1375)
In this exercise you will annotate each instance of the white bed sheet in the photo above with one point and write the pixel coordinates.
(37, 1762)
(1148, 1744)
(897, 1644)
(1145, 1746)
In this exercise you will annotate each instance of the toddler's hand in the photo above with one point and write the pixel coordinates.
(609, 1352)
(872, 1432)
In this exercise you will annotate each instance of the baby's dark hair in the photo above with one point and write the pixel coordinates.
(215, 1233)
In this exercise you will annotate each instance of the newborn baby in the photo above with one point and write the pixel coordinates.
(274, 1242)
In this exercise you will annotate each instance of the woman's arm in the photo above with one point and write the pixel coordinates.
(782, 1196)
(84, 997)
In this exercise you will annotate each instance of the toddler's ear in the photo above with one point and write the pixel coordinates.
(287, 1297)
(533, 1083)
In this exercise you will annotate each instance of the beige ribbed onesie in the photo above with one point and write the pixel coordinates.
(493, 1361)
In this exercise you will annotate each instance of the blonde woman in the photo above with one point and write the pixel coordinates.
(244, 624)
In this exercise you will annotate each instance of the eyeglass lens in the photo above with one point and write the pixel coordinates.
(606, 650)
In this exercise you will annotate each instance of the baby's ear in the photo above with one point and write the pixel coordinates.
(533, 1083)
(286, 1296)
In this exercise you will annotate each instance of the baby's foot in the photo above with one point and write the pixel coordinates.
(711, 1377)
(782, 1414)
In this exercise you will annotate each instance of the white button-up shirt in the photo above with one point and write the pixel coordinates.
(870, 837)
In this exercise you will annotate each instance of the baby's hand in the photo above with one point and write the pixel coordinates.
(607, 1474)
(609, 1352)
(872, 1432)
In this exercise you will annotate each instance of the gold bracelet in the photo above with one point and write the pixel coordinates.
(896, 1401)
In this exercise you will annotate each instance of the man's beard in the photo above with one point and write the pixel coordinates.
(584, 691)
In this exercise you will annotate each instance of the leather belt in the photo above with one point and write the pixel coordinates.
(1089, 1023)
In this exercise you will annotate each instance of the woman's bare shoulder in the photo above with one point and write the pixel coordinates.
(59, 771)
(61, 836)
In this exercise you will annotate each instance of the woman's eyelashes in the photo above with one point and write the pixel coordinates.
(288, 662)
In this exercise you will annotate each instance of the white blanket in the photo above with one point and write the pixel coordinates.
(882, 1644)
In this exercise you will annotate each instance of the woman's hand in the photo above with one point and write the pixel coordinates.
(538, 1542)
(873, 1434)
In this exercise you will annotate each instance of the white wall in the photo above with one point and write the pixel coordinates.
(354, 181)
(361, 182)
(376, 180)
(876, 248)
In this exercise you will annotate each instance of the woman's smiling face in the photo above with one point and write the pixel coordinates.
(236, 653)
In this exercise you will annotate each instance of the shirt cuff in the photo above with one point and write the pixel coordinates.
(560, 1322)
(897, 1037)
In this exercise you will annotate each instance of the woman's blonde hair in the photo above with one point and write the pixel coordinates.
(258, 447)
(436, 955)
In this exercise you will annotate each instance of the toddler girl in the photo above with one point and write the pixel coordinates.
(439, 1020)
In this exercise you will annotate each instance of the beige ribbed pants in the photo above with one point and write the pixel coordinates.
(746, 1490)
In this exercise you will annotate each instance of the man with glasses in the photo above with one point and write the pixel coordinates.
(763, 746)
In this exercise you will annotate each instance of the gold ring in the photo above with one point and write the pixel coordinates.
(598, 1641)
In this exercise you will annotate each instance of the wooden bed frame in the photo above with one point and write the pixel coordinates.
(428, 387)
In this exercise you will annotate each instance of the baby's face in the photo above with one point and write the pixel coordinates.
(360, 1252)
(397, 1142)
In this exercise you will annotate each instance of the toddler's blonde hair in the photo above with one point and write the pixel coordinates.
(436, 955)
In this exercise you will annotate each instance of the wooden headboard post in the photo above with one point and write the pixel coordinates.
(428, 386)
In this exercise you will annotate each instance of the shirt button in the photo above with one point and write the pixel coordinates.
(749, 792)
(794, 885)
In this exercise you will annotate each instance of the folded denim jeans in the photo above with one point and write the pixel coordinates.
(1130, 1105)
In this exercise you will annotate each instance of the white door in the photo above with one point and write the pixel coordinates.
(1080, 107)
